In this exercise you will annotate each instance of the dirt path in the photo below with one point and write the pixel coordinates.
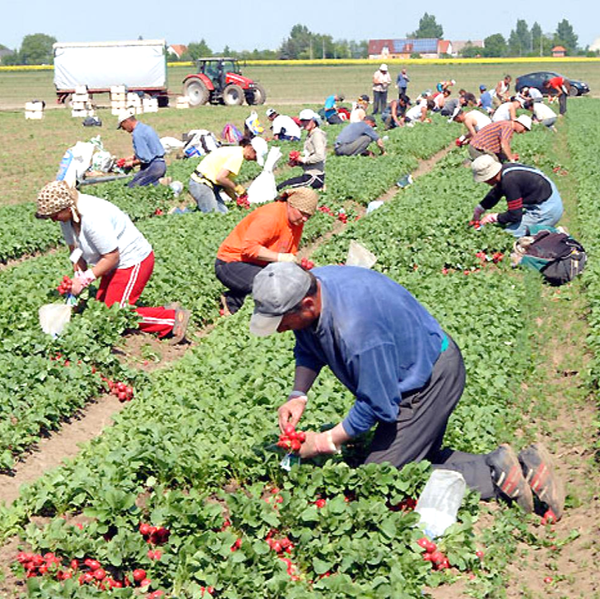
(560, 411)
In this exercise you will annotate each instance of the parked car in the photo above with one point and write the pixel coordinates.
(537, 80)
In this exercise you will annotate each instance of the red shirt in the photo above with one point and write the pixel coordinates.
(556, 82)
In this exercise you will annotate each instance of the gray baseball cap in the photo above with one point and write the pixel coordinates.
(277, 289)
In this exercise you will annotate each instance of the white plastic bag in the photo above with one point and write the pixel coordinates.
(440, 500)
(75, 162)
(263, 188)
(102, 161)
(54, 318)
(359, 255)
(171, 143)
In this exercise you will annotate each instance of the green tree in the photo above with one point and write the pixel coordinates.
(471, 51)
(36, 49)
(537, 42)
(519, 42)
(495, 45)
(428, 27)
(565, 36)
(198, 50)
(299, 44)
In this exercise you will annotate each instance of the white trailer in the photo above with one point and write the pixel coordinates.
(140, 66)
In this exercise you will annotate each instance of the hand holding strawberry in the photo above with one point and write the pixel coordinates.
(65, 286)
(294, 158)
(291, 412)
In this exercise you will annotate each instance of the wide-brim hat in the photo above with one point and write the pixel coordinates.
(485, 168)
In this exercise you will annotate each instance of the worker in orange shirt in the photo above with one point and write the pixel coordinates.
(270, 233)
(562, 87)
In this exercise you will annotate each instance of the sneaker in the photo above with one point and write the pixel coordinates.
(165, 180)
(182, 318)
(538, 467)
(508, 476)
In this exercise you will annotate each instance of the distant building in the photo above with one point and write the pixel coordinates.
(177, 50)
(459, 45)
(559, 52)
(426, 47)
(4, 52)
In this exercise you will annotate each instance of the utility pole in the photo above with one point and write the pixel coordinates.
(323, 46)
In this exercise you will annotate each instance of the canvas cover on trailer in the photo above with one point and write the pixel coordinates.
(99, 65)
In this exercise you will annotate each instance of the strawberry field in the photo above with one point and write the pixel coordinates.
(184, 495)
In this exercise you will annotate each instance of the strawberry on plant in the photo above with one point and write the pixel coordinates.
(139, 575)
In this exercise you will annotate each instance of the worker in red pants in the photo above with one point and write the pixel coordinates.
(106, 245)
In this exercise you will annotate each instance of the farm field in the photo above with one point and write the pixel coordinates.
(193, 453)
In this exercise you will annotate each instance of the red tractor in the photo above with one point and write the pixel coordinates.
(220, 81)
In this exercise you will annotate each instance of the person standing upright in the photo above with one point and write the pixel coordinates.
(381, 82)
(402, 83)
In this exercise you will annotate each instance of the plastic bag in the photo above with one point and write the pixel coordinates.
(171, 143)
(102, 161)
(253, 124)
(358, 255)
(75, 162)
(54, 318)
(263, 188)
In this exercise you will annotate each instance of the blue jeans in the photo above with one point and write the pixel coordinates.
(207, 199)
(546, 213)
(149, 174)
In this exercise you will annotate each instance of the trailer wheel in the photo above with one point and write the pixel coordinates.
(233, 95)
(196, 91)
(258, 95)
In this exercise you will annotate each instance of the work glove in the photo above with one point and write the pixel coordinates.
(286, 258)
(240, 190)
(460, 141)
(82, 280)
(477, 213)
(490, 218)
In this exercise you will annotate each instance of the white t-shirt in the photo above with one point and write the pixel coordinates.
(543, 112)
(480, 120)
(282, 121)
(535, 94)
(104, 228)
(414, 113)
(502, 112)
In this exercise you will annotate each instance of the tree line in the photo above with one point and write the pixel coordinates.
(301, 43)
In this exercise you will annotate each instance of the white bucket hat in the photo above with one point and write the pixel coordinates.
(484, 168)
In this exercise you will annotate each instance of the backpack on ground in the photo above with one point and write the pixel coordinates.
(200, 142)
(231, 134)
(554, 253)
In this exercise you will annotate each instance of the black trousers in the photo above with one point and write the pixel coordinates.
(305, 180)
(238, 277)
(419, 430)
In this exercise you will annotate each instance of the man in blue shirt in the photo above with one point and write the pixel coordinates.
(355, 138)
(402, 83)
(331, 113)
(406, 374)
(148, 151)
(485, 100)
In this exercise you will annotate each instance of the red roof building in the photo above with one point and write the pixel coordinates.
(559, 52)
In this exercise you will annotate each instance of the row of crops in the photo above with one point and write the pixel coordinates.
(190, 468)
(64, 374)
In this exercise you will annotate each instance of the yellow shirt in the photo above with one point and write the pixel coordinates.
(230, 159)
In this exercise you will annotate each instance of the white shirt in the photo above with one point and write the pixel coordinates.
(414, 113)
(105, 228)
(543, 112)
(502, 112)
(535, 94)
(480, 120)
(282, 121)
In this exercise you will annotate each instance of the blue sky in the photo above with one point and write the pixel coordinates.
(249, 24)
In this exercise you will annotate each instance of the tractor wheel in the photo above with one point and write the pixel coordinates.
(258, 95)
(233, 95)
(196, 91)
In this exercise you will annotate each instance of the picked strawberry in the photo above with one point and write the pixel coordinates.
(307, 264)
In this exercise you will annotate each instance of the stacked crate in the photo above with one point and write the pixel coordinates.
(134, 103)
(183, 102)
(81, 105)
(150, 104)
(34, 110)
(118, 99)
